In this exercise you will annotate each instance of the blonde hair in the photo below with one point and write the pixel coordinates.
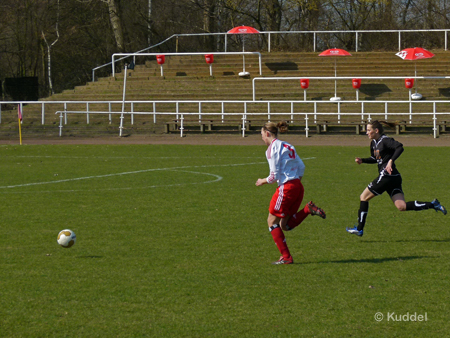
(274, 128)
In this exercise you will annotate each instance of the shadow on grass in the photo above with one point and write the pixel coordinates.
(413, 240)
(373, 260)
(90, 257)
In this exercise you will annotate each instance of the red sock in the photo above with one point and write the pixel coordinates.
(280, 240)
(297, 218)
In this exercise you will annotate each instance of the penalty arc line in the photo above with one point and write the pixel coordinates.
(129, 173)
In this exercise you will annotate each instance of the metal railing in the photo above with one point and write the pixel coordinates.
(134, 55)
(222, 110)
(304, 109)
(357, 34)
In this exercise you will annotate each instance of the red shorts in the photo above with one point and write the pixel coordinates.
(287, 199)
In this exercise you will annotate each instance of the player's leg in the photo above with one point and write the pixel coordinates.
(279, 239)
(299, 216)
(364, 198)
(309, 209)
(418, 206)
(398, 198)
(399, 201)
(276, 214)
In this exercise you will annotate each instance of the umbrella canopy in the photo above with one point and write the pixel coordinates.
(415, 53)
(243, 30)
(335, 52)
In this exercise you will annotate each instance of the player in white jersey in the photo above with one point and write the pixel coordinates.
(287, 169)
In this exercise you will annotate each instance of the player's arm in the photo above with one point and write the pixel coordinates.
(397, 147)
(369, 160)
(261, 181)
(273, 163)
(398, 150)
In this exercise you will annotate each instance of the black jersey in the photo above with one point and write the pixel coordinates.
(383, 150)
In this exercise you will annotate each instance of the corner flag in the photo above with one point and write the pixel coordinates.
(19, 115)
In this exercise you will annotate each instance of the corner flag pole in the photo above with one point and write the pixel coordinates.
(19, 115)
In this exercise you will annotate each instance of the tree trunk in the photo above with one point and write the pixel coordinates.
(116, 23)
(149, 25)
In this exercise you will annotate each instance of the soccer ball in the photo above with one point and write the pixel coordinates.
(66, 238)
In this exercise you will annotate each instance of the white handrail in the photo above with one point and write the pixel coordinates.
(184, 54)
(315, 34)
(384, 112)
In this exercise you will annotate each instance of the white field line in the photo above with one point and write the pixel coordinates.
(218, 178)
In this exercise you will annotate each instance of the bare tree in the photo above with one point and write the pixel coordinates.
(115, 19)
(49, 48)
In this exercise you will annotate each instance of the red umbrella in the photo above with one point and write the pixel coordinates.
(414, 54)
(335, 52)
(243, 30)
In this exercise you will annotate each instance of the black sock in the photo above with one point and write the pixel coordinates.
(417, 206)
(362, 214)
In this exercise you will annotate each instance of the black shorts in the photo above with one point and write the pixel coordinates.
(391, 184)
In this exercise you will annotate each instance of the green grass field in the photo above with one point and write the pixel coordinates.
(172, 241)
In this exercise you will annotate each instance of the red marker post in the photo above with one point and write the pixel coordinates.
(161, 59)
(356, 83)
(209, 58)
(304, 83)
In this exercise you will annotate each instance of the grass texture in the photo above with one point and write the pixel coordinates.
(172, 241)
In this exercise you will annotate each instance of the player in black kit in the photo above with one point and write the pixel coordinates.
(384, 151)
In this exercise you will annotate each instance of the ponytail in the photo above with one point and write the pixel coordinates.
(379, 125)
(274, 128)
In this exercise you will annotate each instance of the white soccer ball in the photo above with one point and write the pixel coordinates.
(66, 238)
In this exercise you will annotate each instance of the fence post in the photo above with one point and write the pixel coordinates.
(306, 126)
(314, 42)
(315, 111)
(362, 112)
(181, 126)
(87, 112)
(435, 130)
(43, 114)
(65, 114)
(339, 112)
(410, 107)
(110, 115)
(60, 123)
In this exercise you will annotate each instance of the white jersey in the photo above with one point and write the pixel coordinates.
(284, 163)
